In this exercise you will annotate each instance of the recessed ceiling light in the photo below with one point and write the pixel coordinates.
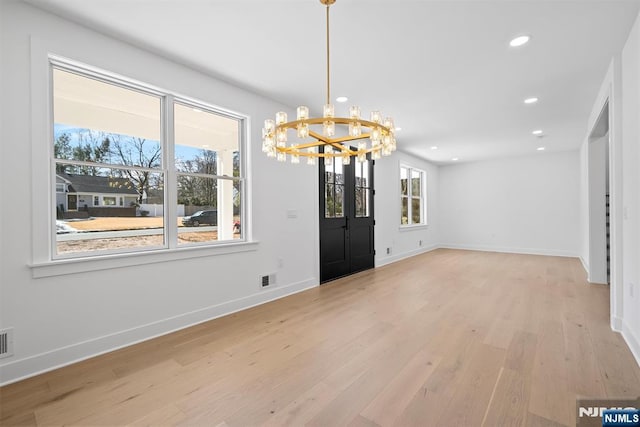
(519, 41)
(537, 132)
(434, 148)
(455, 159)
(398, 129)
(532, 100)
(540, 148)
(342, 99)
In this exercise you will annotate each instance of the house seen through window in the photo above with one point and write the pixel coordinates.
(115, 168)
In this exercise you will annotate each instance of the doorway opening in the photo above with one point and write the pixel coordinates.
(599, 200)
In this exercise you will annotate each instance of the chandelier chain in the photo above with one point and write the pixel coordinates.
(328, 68)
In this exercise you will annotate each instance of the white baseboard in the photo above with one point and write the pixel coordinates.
(525, 251)
(632, 341)
(616, 323)
(584, 265)
(394, 258)
(34, 365)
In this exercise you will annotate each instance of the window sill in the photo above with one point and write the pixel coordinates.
(107, 262)
(414, 227)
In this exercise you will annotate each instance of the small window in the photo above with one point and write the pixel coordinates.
(109, 201)
(412, 203)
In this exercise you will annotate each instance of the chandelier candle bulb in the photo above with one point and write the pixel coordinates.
(303, 112)
(329, 128)
(281, 118)
(362, 152)
(269, 126)
(355, 129)
(346, 159)
(328, 111)
(354, 112)
(375, 136)
(303, 130)
(376, 117)
(311, 160)
(328, 151)
(295, 159)
(281, 135)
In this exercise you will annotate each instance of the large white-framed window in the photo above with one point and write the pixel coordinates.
(412, 196)
(165, 172)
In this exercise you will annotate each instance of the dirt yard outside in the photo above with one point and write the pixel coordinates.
(106, 224)
(115, 223)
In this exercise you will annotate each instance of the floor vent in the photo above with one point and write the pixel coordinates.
(6, 343)
(267, 280)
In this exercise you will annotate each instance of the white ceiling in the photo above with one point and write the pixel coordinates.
(442, 69)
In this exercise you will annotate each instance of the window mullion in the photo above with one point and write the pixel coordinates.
(169, 167)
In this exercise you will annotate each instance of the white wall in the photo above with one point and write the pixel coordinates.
(60, 319)
(631, 189)
(525, 204)
(403, 242)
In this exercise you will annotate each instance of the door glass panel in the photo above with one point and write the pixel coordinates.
(360, 203)
(339, 201)
(362, 174)
(329, 197)
(328, 175)
(334, 190)
(362, 189)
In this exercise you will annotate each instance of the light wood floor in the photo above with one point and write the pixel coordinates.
(451, 337)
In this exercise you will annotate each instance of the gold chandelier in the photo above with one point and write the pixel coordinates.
(375, 136)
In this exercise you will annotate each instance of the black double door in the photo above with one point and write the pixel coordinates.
(346, 218)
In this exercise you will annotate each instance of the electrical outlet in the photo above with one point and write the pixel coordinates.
(420, 243)
(388, 251)
(631, 289)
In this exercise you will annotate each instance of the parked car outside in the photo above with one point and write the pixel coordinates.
(201, 217)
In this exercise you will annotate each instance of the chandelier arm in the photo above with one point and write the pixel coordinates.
(318, 136)
(341, 120)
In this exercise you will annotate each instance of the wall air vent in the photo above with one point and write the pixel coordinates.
(6, 343)
(267, 280)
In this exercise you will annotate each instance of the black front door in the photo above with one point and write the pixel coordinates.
(346, 218)
(72, 202)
